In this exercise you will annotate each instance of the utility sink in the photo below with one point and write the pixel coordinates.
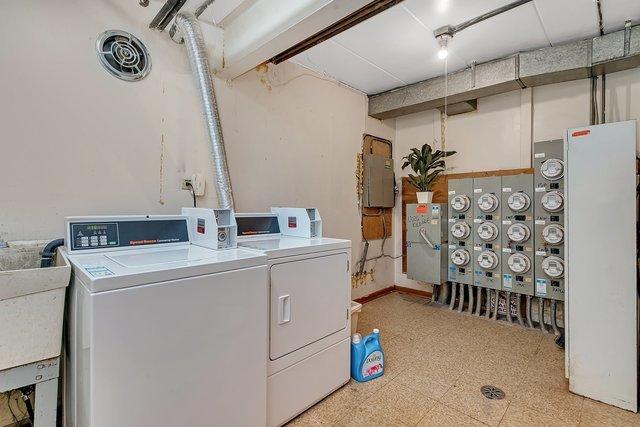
(31, 304)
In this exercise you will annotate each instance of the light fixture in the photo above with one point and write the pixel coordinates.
(443, 41)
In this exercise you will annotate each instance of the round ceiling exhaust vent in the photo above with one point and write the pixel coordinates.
(123, 55)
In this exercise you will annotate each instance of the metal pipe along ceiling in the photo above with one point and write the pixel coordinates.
(196, 51)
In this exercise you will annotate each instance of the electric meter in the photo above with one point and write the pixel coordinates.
(553, 201)
(519, 201)
(518, 233)
(553, 234)
(487, 231)
(519, 263)
(552, 169)
(460, 230)
(553, 267)
(488, 260)
(460, 257)
(488, 202)
(460, 203)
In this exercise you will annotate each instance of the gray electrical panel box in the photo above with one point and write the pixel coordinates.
(548, 162)
(460, 230)
(486, 237)
(426, 242)
(517, 234)
(378, 181)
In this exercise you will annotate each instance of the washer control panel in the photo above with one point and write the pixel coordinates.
(109, 233)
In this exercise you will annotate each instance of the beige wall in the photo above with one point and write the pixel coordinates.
(76, 141)
(500, 133)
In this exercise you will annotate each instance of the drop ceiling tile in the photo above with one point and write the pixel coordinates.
(436, 13)
(396, 42)
(615, 12)
(334, 60)
(568, 20)
(505, 34)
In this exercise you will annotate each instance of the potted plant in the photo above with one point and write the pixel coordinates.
(427, 165)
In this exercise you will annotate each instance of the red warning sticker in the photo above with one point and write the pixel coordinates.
(581, 132)
(421, 209)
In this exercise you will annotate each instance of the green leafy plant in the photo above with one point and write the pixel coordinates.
(427, 165)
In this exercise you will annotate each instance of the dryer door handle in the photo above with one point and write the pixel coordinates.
(284, 309)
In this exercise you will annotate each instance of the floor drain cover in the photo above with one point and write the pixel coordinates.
(492, 392)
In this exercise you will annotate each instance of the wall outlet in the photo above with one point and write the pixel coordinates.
(197, 181)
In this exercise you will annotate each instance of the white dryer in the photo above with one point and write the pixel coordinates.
(161, 332)
(309, 316)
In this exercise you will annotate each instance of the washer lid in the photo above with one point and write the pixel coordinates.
(519, 201)
(104, 271)
(487, 231)
(460, 203)
(290, 246)
(553, 234)
(553, 267)
(518, 232)
(488, 202)
(460, 230)
(460, 257)
(519, 263)
(488, 260)
(553, 201)
(552, 169)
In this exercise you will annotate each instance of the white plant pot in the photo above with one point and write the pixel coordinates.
(425, 196)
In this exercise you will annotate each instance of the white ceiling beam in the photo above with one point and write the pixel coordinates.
(269, 27)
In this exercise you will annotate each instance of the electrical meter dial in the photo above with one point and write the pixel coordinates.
(553, 267)
(519, 263)
(553, 234)
(487, 231)
(460, 203)
(553, 201)
(460, 257)
(460, 230)
(488, 260)
(488, 202)
(552, 169)
(518, 233)
(519, 201)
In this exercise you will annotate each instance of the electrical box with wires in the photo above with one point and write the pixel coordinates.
(378, 181)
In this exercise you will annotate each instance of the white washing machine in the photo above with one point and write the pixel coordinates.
(309, 316)
(161, 332)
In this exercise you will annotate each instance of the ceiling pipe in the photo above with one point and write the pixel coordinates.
(451, 30)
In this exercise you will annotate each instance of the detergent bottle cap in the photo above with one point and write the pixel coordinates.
(376, 331)
(356, 338)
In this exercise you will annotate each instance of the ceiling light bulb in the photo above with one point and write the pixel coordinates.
(443, 52)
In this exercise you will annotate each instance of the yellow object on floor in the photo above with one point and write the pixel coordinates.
(436, 362)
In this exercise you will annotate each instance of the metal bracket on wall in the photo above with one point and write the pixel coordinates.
(166, 14)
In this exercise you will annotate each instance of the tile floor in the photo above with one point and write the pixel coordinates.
(436, 362)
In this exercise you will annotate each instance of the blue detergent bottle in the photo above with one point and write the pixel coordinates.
(367, 357)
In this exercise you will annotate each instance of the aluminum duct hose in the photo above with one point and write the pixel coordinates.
(188, 25)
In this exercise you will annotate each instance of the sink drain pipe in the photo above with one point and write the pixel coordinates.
(188, 25)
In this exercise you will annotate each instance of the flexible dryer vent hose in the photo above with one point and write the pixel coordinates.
(188, 24)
